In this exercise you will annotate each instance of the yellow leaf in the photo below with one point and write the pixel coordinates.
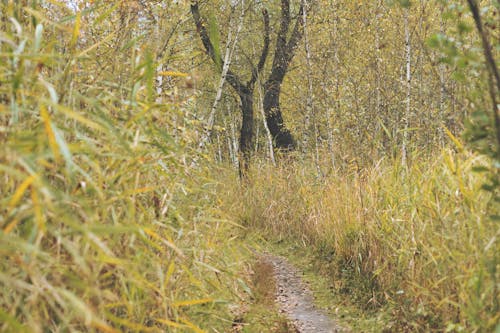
(170, 271)
(20, 191)
(76, 29)
(130, 325)
(50, 132)
(194, 281)
(166, 242)
(39, 219)
(172, 73)
(112, 260)
(453, 138)
(142, 190)
(152, 233)
(102, 326)
(193, 302)
(170, 323)
(10, 226)
(76, 116)
(96, 45)
(192, 326)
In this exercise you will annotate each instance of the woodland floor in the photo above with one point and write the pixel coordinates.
(295, 299)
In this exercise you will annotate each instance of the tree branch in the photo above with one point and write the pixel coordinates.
(231, 77)
(298, 32)
(492, 68)
(265, 51)
(283, 30)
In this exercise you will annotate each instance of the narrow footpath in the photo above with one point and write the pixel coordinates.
(296, 300)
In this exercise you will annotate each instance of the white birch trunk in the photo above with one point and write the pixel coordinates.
(406, 119)
(310, 112)
(230, 46)
(269, 137)
(442, 90)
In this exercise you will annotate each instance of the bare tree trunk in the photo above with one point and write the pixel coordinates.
(336, 72)
(233, 142)
(406, 119)
(268, 133)
(285, 50)
(230, 46)
(309, 98)
(493, 74)
(219, 149)
(378, 101)
(246, 131)
(257, 135)
(310, 111)
(442, 90)
(244, 90)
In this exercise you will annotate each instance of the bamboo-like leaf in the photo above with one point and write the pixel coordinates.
(38, 38)
(44, 19)
(39, 218)
(193, 302)
(173, 74)
(20, 191)
(81, 308)
(76, 30)
(11, 323)
(170, 272)
(106, 14)
(15, 221)
(63, 147)
(170, 323)
(192, 326)
(50, 133)
(213, 32)
(166, 242)
(77, 116)
(50, 88)
(453, 138)
(17, 26)
(96, 45)
(132, 326)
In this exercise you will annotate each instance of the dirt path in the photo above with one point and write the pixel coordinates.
(296, 300)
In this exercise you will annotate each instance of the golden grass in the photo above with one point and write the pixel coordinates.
(419, 241)
(105, 224)
(110, 220)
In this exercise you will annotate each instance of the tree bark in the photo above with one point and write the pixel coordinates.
(246, 132)
(493, 73)
(284, 52)
(283, 55)
(406, 119)
(244, 90)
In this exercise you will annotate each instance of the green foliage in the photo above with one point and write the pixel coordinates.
(112, 218)
(213, 33)
(480, 129)
(105, 225)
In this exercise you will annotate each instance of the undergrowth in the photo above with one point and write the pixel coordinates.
(112, 219)
(107, 224)
(419, 241)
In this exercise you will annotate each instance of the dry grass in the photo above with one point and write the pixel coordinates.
(419, 241)
(105, 224)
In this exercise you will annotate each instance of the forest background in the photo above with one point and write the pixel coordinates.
(145, 155)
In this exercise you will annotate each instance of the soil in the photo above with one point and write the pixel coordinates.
(295, 299)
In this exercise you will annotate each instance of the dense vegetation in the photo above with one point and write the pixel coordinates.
(144, 155)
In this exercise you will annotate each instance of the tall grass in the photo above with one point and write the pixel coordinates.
(105, 226)
(418, 242)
